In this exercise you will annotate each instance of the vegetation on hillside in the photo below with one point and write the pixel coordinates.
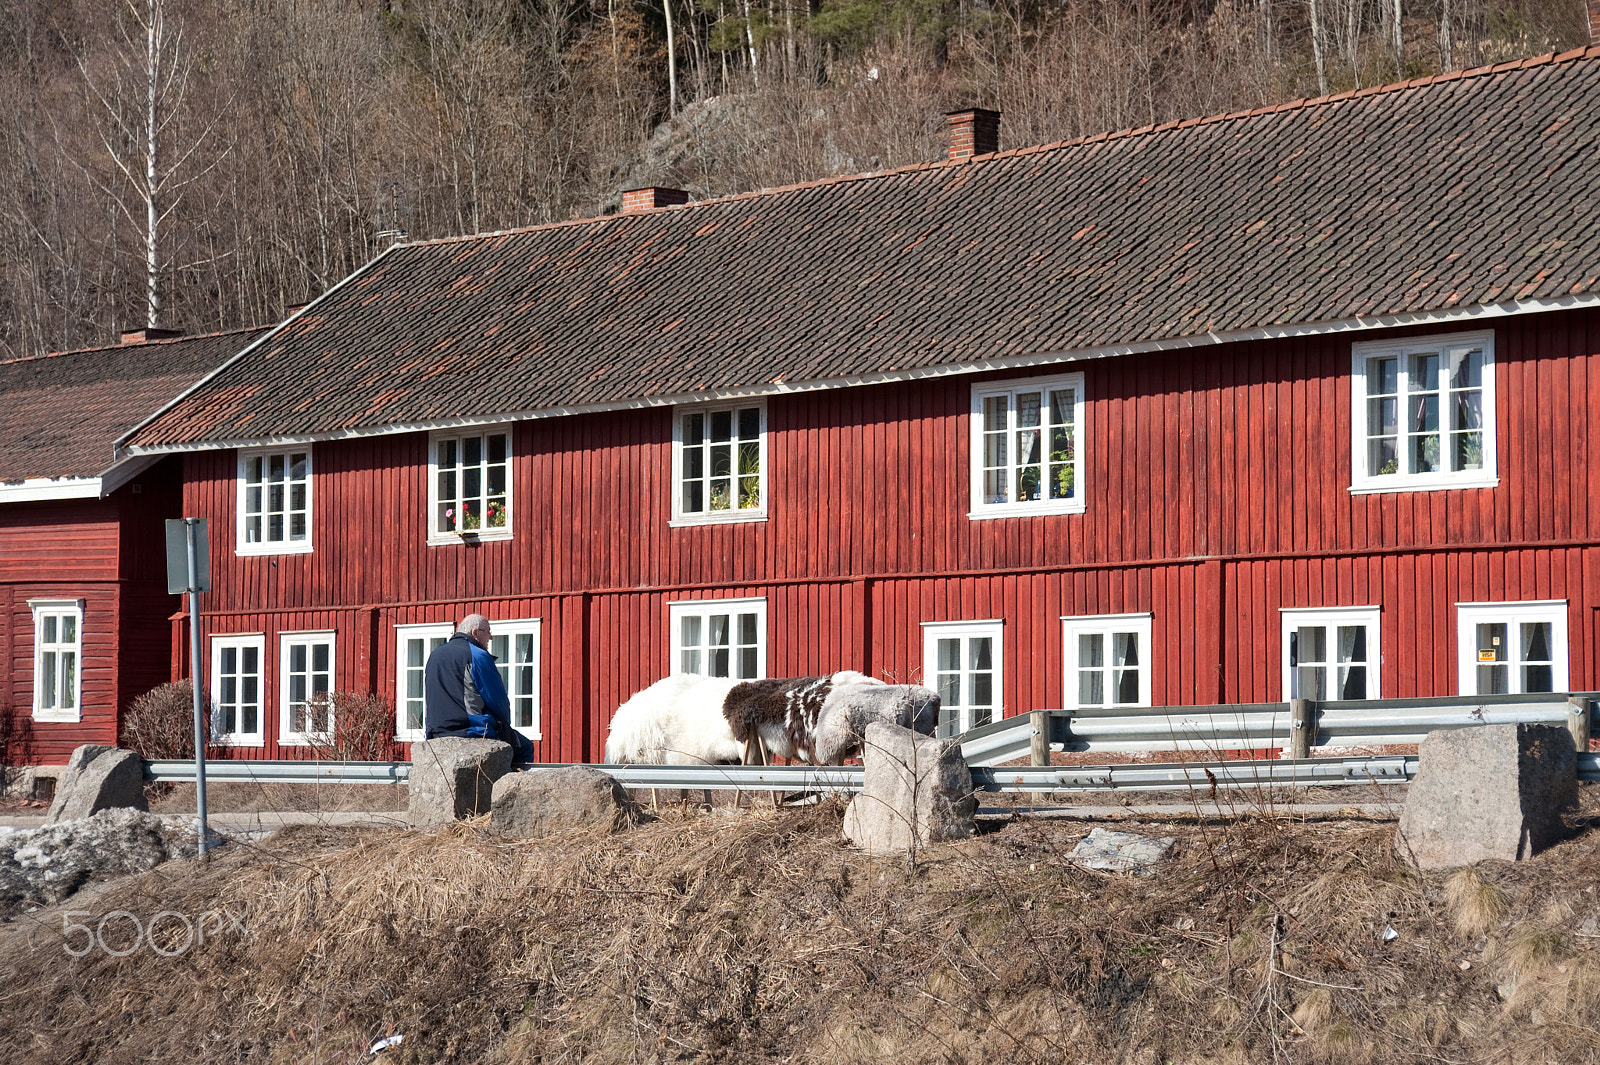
(296, 139)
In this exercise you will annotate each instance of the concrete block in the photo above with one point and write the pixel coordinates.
(1497, 791)
(916, 790)
(454, 777)
(98, 778)
(540, 802)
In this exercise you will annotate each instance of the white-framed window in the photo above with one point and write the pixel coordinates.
(719, 637)
(237, 664)
(469, 478)
(1027, 455)
(1331, 653)
(719, 462)
(961, 661)
(414, 643)
(57, 658)
(305, 706)
(1423, 413)
(515, 646)
(1512, 648)
(274, 501)
(1107, 660)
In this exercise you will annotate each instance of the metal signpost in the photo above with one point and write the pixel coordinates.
(189, 570)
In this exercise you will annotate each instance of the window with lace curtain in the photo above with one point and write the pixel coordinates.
(1512, 648)
(1106, 660)
(1026, 454)
(1331, 653)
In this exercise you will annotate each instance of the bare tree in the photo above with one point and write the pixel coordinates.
(153, 53)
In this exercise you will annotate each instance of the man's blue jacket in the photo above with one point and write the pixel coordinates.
(461, 679)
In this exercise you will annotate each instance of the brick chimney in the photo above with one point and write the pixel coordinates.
(147, 334)
(976, 131)
(1594, 23)
(636, 200)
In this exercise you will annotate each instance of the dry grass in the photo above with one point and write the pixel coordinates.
(763, 937)
(1475, 904)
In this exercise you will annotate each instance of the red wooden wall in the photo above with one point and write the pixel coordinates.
(1217, 491)
(110, 554)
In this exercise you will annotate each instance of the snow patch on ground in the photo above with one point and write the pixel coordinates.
(48, 864)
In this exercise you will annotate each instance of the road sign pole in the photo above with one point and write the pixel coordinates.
(193, 526)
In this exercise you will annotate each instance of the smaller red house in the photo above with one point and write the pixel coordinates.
(82, 564)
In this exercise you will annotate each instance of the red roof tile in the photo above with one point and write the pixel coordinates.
(1433, 195)
(60, 414)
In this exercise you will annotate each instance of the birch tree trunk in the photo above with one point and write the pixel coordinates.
(1316, 50)
(672, 61)
(1447, 60)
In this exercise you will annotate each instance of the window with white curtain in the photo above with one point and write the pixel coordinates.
(719, 638)
(1106, 660)
(1423, 413)
(414, 644)
(720, 463)
(961, 660)
(1331, 653)
(57, 658)
(274, 502)
(1026, 450)
(515, 646)
(305, 667)
(236, 689)
(1512, 648)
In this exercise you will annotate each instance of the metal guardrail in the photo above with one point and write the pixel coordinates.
(248, 771)
(1238, 773)
(1205, 729)
(1256, 726)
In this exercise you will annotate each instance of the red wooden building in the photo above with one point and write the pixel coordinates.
(1291, 401)
(82, 566)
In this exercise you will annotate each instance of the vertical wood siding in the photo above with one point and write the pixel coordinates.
(1216, 483)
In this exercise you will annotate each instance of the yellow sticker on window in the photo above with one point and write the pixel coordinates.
(1487, 655)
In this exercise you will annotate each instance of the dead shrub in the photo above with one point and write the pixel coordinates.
(160, 723)
(363, 729)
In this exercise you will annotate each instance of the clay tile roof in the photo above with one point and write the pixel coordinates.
(1432, 195)
(60, 414)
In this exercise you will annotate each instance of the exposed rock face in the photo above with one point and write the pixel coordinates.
(1492, 792)
(98, 778)
(46, 865)
(540, 802)
(1122, 852)
(453, 778)
(916, 790)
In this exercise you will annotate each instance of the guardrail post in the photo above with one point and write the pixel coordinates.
(1039, 742)
(1302, 727)
(1578, 723)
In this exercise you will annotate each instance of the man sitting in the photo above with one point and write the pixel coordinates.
(463, 694)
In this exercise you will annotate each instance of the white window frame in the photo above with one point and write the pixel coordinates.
(1470, 615)
(265, 547)
(1331, 617)
(286, 734)
(239, 642)
(992, 629)
(683, 516)
(437, 536)
(1107, 626)
(511, 630)
(705, 608)
(1363, 482)
(981, 507)
(442, 631)
(58, 609)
